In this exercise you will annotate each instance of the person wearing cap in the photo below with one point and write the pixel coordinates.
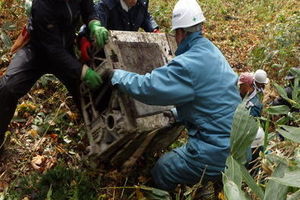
(252, 85)
(202, 86)
(260, 80)
(249, 89)
(50, 50)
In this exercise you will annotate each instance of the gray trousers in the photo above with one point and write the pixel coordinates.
(27, 66)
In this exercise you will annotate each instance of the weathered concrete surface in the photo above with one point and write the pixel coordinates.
(119, 128)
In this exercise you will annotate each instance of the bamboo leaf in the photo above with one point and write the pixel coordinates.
(244, 129)
(49, 193)
(281, 91)
(278, 110)
(275, 190)
(292, 133)
(233, 171)
(251, 183)
(232, 191)
(283, 94)
(154, 193)
(291, 178)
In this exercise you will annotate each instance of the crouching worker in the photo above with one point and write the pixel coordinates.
(203, 87)
(50, 50)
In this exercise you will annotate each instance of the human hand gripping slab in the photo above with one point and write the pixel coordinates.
(91, 78)
(98, 32)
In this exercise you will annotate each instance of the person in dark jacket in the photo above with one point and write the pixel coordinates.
(125, 15)
(121, 15)
(50, 50)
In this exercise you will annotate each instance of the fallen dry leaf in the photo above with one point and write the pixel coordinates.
(39, 91)
(3, 185)
(33, 132)
(53, 136)
(38, 162)
(73, 116)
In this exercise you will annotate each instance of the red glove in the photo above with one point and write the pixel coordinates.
(85, 45)
(25, 33)
(156, 31)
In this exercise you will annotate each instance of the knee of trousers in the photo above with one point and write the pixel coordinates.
(9, 91)
(161, 174)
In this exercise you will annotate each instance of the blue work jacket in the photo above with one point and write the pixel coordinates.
(255, 106)
(202, 86)
(113, 17)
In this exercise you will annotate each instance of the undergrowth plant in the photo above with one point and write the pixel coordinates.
(239, 184)
(59, 183)
(280, 49)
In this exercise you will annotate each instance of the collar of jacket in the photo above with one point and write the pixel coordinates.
(112, 3)
(187, 43)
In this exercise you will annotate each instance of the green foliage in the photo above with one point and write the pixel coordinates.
(280, 50)
(57, 184)
(290, 132)
(278, 110)
(243, 132)
(282, 178)
(251, 183)
(289, 114)
(162, 12)
(244, 129)
(276, 190)
(233, 171)
(232, 191)
(290, 178)
(154, 194)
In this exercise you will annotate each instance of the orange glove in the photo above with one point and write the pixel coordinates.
(85, 46)
(21, 41)
(156, 30)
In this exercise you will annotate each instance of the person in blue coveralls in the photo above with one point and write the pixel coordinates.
(203, 87)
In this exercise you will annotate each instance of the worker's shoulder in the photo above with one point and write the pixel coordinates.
(143, 3)
(113, 3)
(108, 3)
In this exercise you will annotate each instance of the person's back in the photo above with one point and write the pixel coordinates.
(209, 116)
(118, 15)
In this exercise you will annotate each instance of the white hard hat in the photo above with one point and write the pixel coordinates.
(186, 13)
(260, 76)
